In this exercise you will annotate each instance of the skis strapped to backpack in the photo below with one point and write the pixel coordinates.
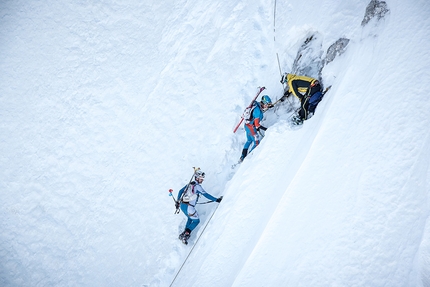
(247, 110)
(178, 202)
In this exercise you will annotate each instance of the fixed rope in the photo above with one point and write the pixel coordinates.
(277, 55)
(274, 38)
(192, 248)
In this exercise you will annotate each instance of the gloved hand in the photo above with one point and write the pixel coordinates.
(261, 128)
(177, 204)
(282, 79)
(219, 199)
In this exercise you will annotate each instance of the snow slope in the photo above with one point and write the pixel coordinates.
(104, 106)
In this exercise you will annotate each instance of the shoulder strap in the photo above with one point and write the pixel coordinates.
(251, 113)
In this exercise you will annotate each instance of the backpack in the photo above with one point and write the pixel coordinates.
(247, 114)
(189, 194)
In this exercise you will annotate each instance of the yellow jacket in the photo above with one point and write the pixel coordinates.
(299, 85)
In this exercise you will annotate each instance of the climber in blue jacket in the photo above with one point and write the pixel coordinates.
(253, 126)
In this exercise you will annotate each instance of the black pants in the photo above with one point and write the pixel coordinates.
(304, 101)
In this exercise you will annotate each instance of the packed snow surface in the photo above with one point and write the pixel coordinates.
(106, 105)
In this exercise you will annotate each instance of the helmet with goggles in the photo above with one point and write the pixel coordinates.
(266, 100)
(199, 175)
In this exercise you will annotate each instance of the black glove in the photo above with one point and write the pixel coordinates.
(286, 95)
(261, 128)
(219, 199)
(177, 204)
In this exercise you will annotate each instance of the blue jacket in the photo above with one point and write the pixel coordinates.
(254, 122)
(257, 116)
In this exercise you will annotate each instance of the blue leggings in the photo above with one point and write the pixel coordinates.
(192, 215)
(250, 138)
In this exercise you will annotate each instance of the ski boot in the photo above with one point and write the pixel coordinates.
(242, 157)
(184, 236)
(296, 120)
(244, 153)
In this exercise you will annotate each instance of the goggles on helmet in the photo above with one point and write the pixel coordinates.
(199, 174)
(266, 100)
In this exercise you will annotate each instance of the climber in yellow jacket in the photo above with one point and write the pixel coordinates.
(307, 89)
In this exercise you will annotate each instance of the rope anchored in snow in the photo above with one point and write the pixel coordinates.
(281, 99)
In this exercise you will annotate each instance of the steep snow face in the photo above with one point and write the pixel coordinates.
(105, 106)
(348, 205)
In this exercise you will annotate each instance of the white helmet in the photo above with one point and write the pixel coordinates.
(199, 174)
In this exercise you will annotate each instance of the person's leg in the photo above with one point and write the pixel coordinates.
(244, 154)
(303, 113)
(186, 233)
(253, 137)
(192, 222)
(313, 101)
(249, 140)
(193, 218)
(249, 137)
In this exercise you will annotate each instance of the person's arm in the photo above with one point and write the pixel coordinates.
(262, 128)
(257, 123)
(258, 118)
(296, 84)
(200, 190)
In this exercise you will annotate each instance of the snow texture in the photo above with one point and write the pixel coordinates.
(105, 105)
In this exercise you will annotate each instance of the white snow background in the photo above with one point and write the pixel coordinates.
(105, 105)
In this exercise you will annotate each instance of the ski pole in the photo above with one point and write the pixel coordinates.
(192, 248)
(277, 55)
(182, 196)
(170, 194)
(209, 201)
(176, 203)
